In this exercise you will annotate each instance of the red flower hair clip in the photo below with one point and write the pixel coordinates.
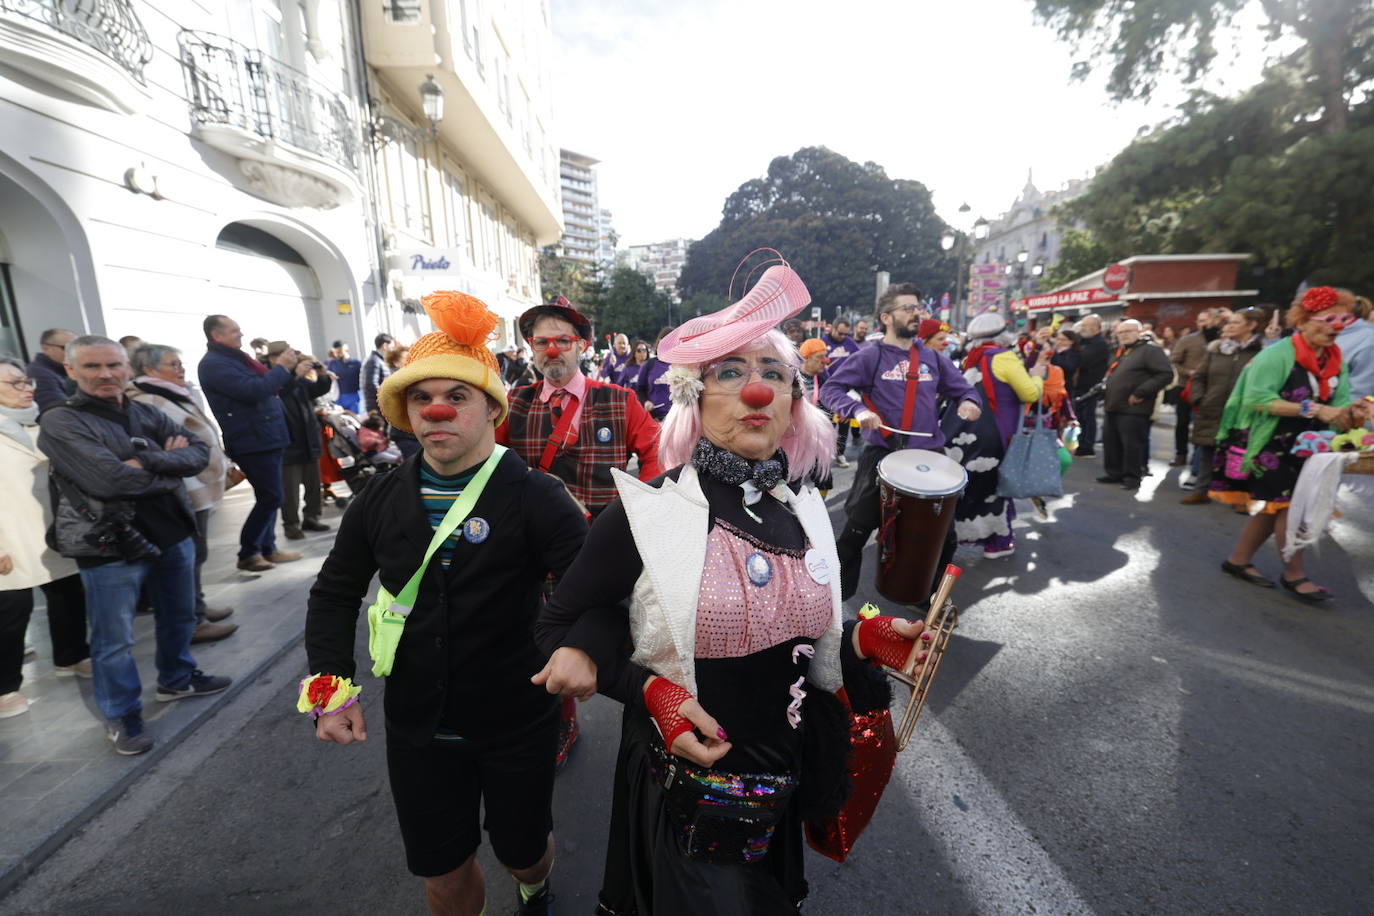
(1319, 298)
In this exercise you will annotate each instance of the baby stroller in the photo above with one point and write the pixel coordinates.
(343, 458)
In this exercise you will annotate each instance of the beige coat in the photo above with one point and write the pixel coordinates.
(206, 489)
(26, 517)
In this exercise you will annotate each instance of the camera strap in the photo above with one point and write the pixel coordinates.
(78, 500)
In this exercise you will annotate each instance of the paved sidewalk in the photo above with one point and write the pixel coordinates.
(58, 769)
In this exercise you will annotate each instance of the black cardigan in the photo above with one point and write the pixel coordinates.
(467, 652)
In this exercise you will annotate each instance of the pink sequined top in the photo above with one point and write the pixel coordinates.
(736, 616)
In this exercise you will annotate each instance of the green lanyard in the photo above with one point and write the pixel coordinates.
(387, 616)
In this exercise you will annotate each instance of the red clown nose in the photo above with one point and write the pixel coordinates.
(438, 413)
(756, 394)
(553, 350)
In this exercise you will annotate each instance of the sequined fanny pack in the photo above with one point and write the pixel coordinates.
(719, 817)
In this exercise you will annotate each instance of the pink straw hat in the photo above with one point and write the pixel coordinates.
(779, 295)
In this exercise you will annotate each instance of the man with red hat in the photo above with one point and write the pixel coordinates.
(462, 538)
(575, 428)
(891, 389)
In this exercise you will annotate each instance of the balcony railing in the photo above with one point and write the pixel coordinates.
(108, 26)
(234, 85)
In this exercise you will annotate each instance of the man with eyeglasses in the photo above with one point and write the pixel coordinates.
(52, 384)
(880, 387)
(575, 428)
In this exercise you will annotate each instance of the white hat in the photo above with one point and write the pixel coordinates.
(988, 324)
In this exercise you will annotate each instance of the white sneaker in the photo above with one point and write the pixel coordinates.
(13, 704)
(1189, 482)
(994, 554)
(80, 669)
(841, 462)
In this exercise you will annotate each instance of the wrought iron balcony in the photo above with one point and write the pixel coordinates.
(235, 86)
(109, 26)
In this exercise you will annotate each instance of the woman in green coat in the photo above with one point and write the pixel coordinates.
(1296, 385)
(1213, 380)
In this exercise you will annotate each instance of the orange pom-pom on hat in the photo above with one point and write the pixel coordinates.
(458, 350)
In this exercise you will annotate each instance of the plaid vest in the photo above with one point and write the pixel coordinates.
(601, 440)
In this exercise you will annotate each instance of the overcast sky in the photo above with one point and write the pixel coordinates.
(684, 101)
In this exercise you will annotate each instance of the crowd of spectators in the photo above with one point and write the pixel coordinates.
(113, 460)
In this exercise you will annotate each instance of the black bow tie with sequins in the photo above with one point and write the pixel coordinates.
(727, 467)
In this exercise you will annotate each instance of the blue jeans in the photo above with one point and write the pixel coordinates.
(259, 532)
(111, 600)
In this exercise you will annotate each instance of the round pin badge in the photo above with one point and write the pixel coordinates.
(603, 434)
(818, 567)
(758, 569)
(475, 530)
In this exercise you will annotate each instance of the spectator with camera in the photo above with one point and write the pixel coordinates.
(25, 561)
(160, 381)
(121, 511)
(242, 393)
(301, 460)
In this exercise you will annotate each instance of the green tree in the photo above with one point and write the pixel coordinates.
(1283, 171)
(1142, 39)
(632, 306)
(702, 304)
(1079, 254)
(835, 221)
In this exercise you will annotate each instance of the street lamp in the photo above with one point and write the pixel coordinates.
(1019, 270)
(959, 237)
(385, 127)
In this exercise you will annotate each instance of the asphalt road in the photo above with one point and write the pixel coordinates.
(1118, 728)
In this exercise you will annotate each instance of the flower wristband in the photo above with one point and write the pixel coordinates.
(326, 694)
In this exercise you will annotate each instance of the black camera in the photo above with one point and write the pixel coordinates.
(318, 366)
(116, 536)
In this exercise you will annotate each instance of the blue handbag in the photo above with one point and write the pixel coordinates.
(1030, 466)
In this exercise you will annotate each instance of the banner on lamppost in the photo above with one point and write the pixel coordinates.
(982, 270)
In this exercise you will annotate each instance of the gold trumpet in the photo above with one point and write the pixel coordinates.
(940, 623)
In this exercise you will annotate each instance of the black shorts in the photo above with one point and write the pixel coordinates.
(438, 790)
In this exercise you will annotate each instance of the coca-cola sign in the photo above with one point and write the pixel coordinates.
(1115, 278)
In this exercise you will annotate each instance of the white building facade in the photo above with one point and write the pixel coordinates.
(154, 170)
(661, 262)
(466, 205)
(999, 271)
(581, 240)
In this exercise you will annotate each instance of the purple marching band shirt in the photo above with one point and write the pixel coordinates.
(652, 390)
(612, 365)
(879, 371)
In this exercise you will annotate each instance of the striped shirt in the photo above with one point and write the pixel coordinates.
(438, 492)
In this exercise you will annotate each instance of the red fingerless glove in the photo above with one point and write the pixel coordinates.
(664, 698)
(880, 642)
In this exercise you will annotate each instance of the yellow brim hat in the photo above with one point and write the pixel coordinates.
(458, 350)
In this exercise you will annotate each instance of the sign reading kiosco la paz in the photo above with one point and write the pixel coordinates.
(1060, 300)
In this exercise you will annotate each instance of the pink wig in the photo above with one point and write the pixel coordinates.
(809, 440)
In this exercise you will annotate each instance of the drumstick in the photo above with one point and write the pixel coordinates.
(906, 432)
(952, 574)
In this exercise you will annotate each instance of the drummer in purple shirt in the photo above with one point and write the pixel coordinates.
(870, 386)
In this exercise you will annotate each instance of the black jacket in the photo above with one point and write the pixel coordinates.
(1096, 354)
(1143, 371)
(298, 406)
(467, 652)
(87, 440)
(52, 386)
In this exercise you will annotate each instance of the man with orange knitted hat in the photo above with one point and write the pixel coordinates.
(462, 538)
